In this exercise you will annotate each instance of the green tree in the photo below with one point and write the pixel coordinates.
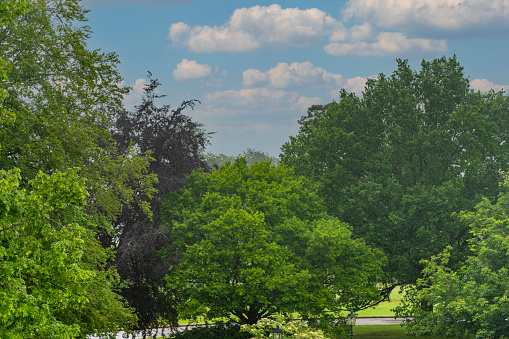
(58, 92)
(254, 240)
(398, 161)
(252, 156)
(474, 299)
(55, 100)
(53, 281)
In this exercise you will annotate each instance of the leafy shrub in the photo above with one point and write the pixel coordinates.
(291, 329)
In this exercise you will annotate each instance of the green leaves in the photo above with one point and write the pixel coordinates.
(398, 162)
(474, 298)
(52, 273)
(254, 241)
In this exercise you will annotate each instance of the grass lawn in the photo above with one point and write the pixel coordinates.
(383, 309)
(384, 331)
(387, 331)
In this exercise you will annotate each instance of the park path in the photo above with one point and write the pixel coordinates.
(380, 321)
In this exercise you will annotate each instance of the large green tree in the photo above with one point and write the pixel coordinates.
(53, 280)
(474, 299)
(58, 92)
(55, 102)
(397, 162)
(253, 240)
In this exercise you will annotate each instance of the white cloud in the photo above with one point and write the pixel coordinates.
(442, 15)
(285, 75)
(247, 99)
(484, 85)
(133, 98)
(256, 27)
(356, 85)
(190, 69)
(274, 27)
(385, 43)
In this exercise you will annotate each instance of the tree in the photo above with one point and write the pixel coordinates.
(173, 141)
(397, 162)
(472, 300)
(252, 156)
(254, 240)
(55, 101)
(53, 278)
(58, 92)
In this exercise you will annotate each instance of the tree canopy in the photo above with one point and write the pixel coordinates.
(397, 162)
(58, 93)
(53, 277)
(254, 240)
(173, 141)
(63, 181)
(473, 299)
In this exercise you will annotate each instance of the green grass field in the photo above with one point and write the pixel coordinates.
(384, 331)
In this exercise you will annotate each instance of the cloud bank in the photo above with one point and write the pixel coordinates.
(430, 15)
(484, 86)
(273, 27)
(257, 27)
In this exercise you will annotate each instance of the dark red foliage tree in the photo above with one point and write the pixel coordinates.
(174, 142)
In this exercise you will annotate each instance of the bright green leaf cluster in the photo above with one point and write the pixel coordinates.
(52, 276)
(474, 299)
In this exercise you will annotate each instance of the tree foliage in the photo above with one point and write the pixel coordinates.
(397, 162)
(472, 300)
(53, 278)
(173, 141)
(254, 240)
(55, 119)
(58, 92)
(252, 156)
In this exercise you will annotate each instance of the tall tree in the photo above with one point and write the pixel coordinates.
(173, 141)
(253, 240)
(60, 92)
(397, 162)
(55, 120)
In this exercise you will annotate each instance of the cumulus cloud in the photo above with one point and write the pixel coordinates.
(354, 85)
(302, 74)
(285, 75)
(385, 43)
(441, 15)
(252, 28)
(248, 99)
(133, 98)
(259, 27)
(190, 69)
(484, 85)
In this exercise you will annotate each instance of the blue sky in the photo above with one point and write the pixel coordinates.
(257, 65)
